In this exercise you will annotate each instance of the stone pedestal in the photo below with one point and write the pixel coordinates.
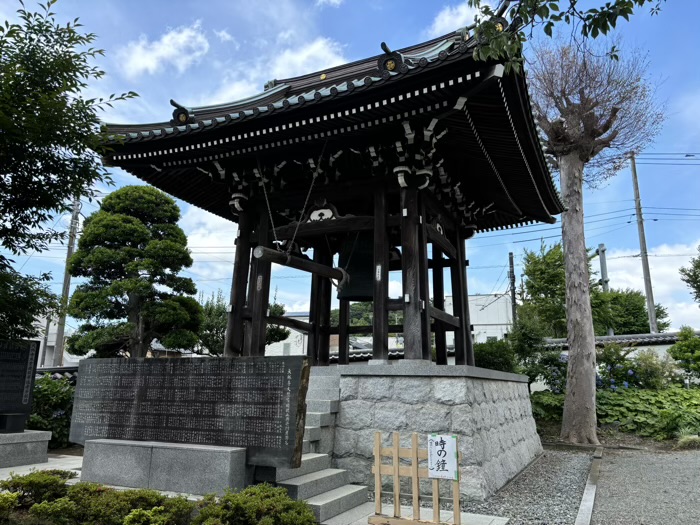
(177, 467)
(24, 448)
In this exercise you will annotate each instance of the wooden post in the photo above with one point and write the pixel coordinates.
(260, 286)
(436, 501)
(380, 322)
(397, 480)
(233, 345)
(424, 283)
(456, 506)
(415, 485)
(468, 341)
(457, 275)
(377, 472)
(324, 309)
(410, 254)
(439, 303)
(343, 335)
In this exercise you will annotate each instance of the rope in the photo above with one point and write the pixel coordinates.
(308, 196)
(269, 208)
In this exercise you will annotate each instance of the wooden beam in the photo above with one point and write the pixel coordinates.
(233, 343)
(365, 329)
(466, 322)
(435, 237)
(380, 334)
(394, 304)
(439, 304)
(259, 297)
(435, 207)
(315, 228)
(289, 322)
(325, 257)
(291, 261)
(443, 317)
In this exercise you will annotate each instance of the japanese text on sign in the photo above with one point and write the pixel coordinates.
(442, 457)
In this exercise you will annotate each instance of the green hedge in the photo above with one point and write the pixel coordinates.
(43, 498)
(660, 414)
(52, 407)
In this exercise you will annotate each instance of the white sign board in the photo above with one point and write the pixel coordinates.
(442, 457)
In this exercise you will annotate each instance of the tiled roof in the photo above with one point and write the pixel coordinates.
(667, 338)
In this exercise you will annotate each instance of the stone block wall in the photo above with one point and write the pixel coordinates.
(491, 415)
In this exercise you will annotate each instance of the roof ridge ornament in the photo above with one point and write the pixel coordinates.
(390, 61)
(181, 114)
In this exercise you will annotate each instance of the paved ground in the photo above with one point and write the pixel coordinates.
(648, 488)
(56, 461)
(359, 515)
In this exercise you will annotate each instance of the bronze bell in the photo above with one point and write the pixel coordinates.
(356, 257)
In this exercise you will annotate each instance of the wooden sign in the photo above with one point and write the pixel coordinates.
(442, 457)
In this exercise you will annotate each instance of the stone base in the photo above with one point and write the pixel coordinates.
(488, 411)
(176, 467)
(24, 448)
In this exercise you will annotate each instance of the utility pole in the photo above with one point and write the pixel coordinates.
(511, 275)
(643, 250)
(73, 233)
(46, 341)
(604, 274)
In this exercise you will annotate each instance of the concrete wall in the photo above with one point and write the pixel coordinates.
(489, 411)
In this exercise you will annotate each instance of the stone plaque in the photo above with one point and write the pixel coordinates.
(17, 370)
(252, 402)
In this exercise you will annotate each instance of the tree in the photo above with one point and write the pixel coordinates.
(131, 252)
(687, 351)
(691, 276)
(627, 313)
(545, 289)
(593, 112)
(212, 331)
(500, 37)
(49, 145)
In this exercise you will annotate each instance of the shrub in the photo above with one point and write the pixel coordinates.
(257, 505)
(553, 368)
(547, 406)
(38, 486)
(104, 506)
(495, 355)
(653, 372)
(688, 443)
(62, 511)
(687, 351)
(8, 502)
(52, 407)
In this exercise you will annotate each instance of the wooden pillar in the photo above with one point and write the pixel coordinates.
(469, 341)
(316, 306)
(380, 317)
(259, 294)
(423, 283)
(457, 278)
(439, 303)
(233, 345)
(343, 335)
(410, 272)
(324, 308)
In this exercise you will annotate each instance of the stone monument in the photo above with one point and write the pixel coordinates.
(17, 370)
(188, 425)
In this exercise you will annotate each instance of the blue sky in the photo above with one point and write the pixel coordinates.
(216, 51)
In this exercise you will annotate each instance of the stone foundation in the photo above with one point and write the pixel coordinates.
(489, 412)
(24, 448)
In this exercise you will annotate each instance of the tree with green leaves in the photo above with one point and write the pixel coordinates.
(502, 30)
(686, 351)
(690, 275)
(131, 252)
(50, 132)
(212, 333)
(627, 313)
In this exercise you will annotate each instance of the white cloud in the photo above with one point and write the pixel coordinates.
(625, 271)
(451, 18)
(332, 3)
(179, 48)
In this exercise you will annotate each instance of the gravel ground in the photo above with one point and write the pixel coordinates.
(547, 493)
(648, 488)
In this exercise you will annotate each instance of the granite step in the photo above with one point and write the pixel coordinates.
(315, 483)
(307, 447)
(312, 433)
(320, 419)
(310, 462)
(323, 394)
(324, 381)
(337, 501)
(320, 405)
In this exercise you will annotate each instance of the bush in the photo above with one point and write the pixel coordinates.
(553, 368)
(257, 505)
(58, 512)
(547, 406)
(38, 486)
(52, 407)
(9, 501)
(688, 443)
(495, 355)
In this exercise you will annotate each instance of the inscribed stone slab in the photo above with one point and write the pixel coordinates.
(252, 402)
(17, 370)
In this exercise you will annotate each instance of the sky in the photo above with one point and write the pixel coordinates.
(200, 53)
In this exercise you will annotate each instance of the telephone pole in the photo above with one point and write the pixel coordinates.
(72, 234)
(651, 308)
(511, 275)
(604, 274)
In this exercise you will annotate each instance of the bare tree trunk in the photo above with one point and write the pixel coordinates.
(579, 421)
(136, 338)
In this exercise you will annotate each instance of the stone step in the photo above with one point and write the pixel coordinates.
(320, 405)
(324, 394)
(312, 433)
(310, 462)
(336, 501)
(320, 419)
(315, 483)
(324, 381)
(307, 447)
